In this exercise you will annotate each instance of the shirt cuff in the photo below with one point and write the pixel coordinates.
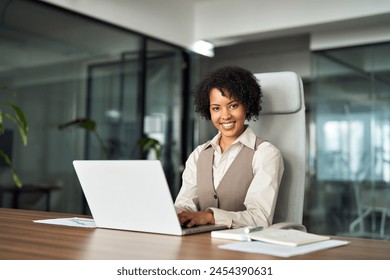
(221, 217)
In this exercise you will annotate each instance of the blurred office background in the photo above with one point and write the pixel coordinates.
(131, 67)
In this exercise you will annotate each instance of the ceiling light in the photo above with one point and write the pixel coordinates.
(203, 48)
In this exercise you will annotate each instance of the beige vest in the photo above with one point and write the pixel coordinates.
(232, 189)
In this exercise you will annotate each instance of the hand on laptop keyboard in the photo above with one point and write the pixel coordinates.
(190, 219)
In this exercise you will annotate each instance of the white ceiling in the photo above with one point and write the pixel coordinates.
(29, 34)
(232, 21)
(223, 22)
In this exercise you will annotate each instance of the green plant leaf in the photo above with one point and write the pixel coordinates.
(18, 118)
(147, 143)
(5, 157)
(23, 129)
(90, 126)
(16, 179)
(87, 124)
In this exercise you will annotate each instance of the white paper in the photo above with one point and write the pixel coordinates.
(74, 222)
(281, 250)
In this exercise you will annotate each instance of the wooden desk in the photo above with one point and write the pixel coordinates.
(21, 238)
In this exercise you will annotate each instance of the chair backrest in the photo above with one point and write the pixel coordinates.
(282, 122)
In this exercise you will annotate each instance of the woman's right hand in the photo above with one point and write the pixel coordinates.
(190, 219)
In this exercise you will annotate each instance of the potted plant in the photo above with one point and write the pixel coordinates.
(12, 115)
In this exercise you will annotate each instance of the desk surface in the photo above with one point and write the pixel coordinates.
(20, 238)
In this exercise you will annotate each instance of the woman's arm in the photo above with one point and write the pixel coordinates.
(187, 199)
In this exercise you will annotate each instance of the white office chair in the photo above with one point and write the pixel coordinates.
(282, 122)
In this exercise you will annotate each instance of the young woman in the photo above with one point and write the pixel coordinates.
(234, 178)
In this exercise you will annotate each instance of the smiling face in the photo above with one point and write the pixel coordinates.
(228, 116)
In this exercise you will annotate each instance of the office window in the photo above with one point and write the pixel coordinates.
(65, 69)
(349, 193)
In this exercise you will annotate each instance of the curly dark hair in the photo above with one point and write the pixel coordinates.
(233, 82)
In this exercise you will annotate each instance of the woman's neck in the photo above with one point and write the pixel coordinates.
(224, 143)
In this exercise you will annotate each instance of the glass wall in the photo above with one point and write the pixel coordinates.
(89, 90)
(349, 192)
(113, 103)
(163, 111)
(154, 115)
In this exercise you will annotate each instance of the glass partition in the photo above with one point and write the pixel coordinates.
(350, 190)
(114, 104)
(163, 107)
(69, 71)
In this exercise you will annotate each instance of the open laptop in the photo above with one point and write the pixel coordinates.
(131, 195)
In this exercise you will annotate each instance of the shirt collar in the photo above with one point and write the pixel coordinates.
(247, 138)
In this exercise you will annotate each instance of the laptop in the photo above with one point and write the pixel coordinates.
(131, 195)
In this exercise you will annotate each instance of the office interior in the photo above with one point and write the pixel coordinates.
(62, 67)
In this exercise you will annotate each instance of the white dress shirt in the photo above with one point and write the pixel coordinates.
(260, 200)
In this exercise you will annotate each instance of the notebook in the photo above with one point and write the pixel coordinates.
(131, 195)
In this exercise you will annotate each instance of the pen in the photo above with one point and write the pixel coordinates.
(253, 229)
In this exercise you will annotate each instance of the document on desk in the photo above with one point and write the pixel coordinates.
(282, 250)
(74, 222)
